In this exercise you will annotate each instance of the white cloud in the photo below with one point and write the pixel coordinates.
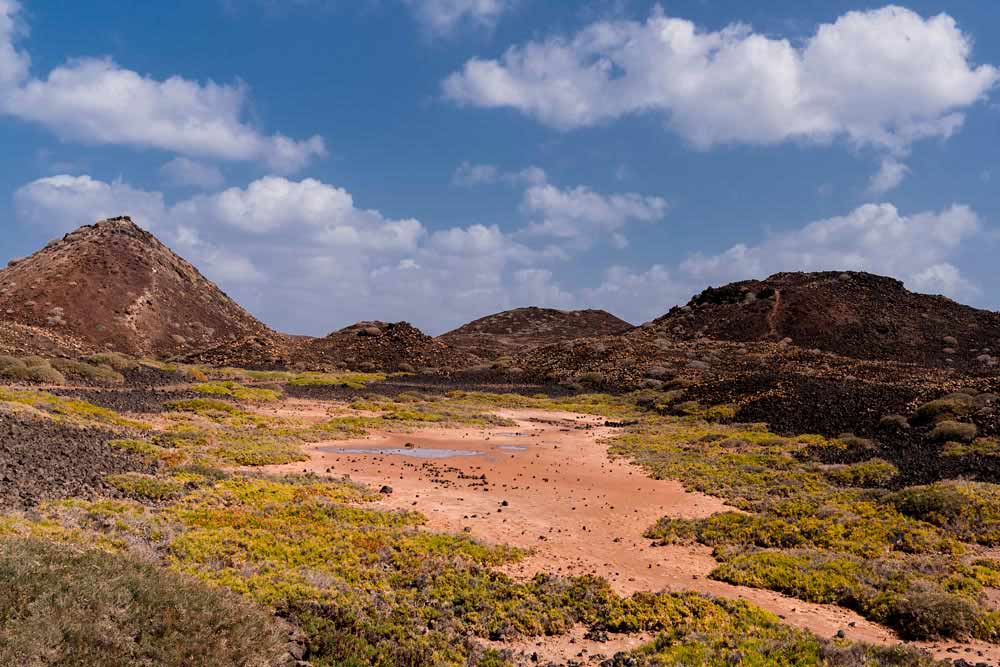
(582, 214)
(13, 64)
(880, 78)
(306, 258)
(943, 278)
(185, 172)
(469, 175)
(873, 237)
(637, 296)
(442, 17)
(63, 203)
(890, 174)
(919, 249)
(96, 101)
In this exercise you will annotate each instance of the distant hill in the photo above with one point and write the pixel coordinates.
(853, 314)
(380, 346)
(115, 286)
(517, 330)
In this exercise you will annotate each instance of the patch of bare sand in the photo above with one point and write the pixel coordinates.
(549, 485)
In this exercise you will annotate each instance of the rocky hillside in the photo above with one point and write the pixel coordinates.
(853, 314)
(115, 286)
(517, 330)
(380, 346)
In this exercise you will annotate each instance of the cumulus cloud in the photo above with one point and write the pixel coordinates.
(881, 78)
(873, 237)
(96, 101)
(185, 172)
(919, 249)
(469, 175)
(581, 214)
(13, 64)
(890, 174)
(62, 203)
(305, 257)
(443, 17)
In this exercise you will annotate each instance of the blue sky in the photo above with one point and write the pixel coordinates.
(438, 160)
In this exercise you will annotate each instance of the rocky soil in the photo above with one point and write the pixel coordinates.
(20, 340)
(45, 460)
(853, 314)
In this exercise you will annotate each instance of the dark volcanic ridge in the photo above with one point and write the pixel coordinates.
(517, 330)
(114, 286)
(853, 314)
(381, 346)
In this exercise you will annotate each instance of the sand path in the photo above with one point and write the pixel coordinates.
(548, 485)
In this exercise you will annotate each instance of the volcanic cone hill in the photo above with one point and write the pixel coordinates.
(853, 314)
(21, 339)
(521, 329)
(115, 286)
(381, 346)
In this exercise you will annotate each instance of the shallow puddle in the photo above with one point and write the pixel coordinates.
(412, 452)
(513, 448)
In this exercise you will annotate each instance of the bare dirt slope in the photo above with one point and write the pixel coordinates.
(520, 329)
(115, 286)
(854, 314)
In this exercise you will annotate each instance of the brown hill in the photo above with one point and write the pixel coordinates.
(380, 346)
(517, 330)
(854, 314)
(22, 340)
(265, 351)
(115, 286)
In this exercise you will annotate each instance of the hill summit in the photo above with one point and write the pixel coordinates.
(520, 329)
(853, 314)
(115, 286)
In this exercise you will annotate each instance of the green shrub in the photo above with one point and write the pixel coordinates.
(952, 430)
(62, 606)
(871, 473)
(949, 407)
(7, 361)
(894, 423)
(927, 613)
(143, 447)
(89, 372)
(592, 378)
(114, 360)
(720, 413)
(146, 487)
(203, 406)
(967, 510)
(881, 590)
(37, 373)
(237, 391)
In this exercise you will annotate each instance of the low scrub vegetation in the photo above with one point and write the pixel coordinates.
(70, 409)
(99, 369)
(968, 510)
(830, 534)
(370, 587)
(238, 391)
(63, 605)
